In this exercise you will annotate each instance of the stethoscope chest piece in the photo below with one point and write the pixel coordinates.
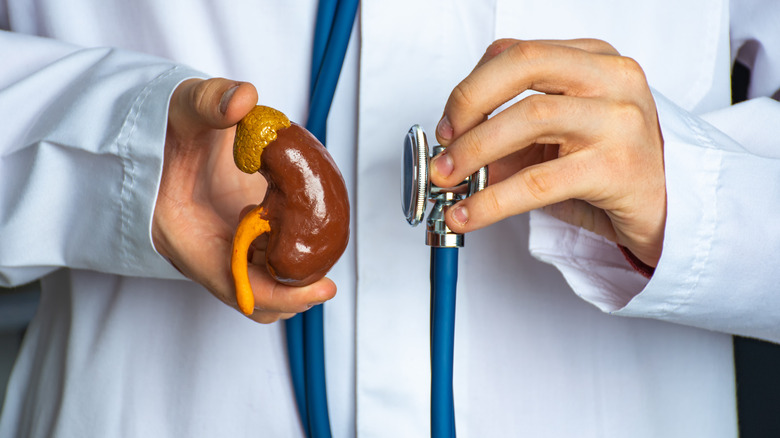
(416, 183)
(417, 190)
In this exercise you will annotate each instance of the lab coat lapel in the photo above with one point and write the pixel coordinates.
(402, 82)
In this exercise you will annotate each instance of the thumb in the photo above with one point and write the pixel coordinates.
(218, 103)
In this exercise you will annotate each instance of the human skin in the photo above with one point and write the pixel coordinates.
(588, 150)
(202, 196)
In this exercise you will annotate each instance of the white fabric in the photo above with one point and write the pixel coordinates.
(122, 346)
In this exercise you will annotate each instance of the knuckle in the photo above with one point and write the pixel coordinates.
(537, 182)
(601, 46)
(539, 108)
(524, 51)
(200, 94)
(632, 71)
(629, 114)
(270, 299)
(500, 45)
(492, 203)
(473, 144)
(206, 94)
(464, 94)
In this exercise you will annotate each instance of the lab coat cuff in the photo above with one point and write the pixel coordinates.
(594, 267)
(143, 150)
(691, 214)
(599, 272)
(715, 270)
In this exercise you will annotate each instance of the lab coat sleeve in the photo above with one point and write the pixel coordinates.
(81, 147)
(718, 269)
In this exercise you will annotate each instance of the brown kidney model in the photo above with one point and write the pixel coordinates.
(305, 210)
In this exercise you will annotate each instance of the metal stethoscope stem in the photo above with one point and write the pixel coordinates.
(417, 192)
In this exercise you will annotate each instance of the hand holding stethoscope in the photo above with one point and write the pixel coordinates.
(589, 151)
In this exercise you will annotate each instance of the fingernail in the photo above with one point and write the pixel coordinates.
(460, 214)
(223, 103)
(444, 128)
(443, 164)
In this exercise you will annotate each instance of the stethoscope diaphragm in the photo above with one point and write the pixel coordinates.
(417, 190)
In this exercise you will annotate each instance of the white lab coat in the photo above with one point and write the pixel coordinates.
(123, 346)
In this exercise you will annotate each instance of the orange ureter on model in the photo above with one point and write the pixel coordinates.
(251, 226)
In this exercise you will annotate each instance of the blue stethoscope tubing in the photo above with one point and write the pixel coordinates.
(304, 332)
(444, 279)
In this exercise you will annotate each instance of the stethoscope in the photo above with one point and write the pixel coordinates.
(304, 332)
(417, 192)
(305, 338)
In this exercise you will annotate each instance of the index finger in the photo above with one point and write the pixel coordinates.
(276, 297)
(571, 177)
(545, 65)
(591, 45)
